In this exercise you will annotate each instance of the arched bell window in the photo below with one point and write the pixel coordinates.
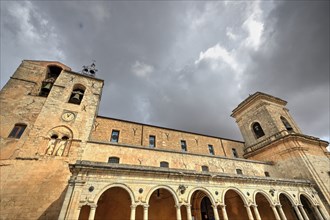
(286, 124)
(52, 73)
(77, 94)
(257, 129)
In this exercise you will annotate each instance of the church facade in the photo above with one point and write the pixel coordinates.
(61, 160)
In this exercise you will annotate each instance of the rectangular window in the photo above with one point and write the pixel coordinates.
(183, 146)
(205, 168)
(235, 154)
(152, 141)
(114, 136)
(113, 160)
(17, 131)
(211, 150)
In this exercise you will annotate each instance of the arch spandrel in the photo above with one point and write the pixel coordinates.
(171, 190)
(112, 185)
(204, 190)
(239, 192)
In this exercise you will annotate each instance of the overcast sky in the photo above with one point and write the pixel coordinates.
(180, 64)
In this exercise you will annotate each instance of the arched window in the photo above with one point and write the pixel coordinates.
(205, 169)
(17, 131)
(239, 171)
(257, 130)
(52, 73)
(113, 160)
(77, 94)
(164, 164)
(286, 124)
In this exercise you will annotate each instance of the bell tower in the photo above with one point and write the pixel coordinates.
(52, 109)
(271, 134)
(262, 118)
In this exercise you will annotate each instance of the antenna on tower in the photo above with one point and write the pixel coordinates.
(89, 70)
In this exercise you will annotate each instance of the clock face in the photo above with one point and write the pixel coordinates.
(68, 116)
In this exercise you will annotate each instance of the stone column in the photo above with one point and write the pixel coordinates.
(281, 212)
(277, 217)
(224, 212)
(319, 216)
(133, 208)
(298, 212)
(145, 212)
(215, 212)
(324, 213)
(302, 210)
(248, 210)
(188, 207)
(92, 212)
(256, 212)
(178, 212)
(66, 201)
(73, 207)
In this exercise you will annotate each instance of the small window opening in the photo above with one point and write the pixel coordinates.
(267, 174)
(235, 154)
(211, 149)
(239, 171)
(286, 124)
(114, 136)
(54, 136)
(47, 84)
(152, 141)
(205, 169)
(65, 138)
(17, 131)
(113, 160)
(257, 129)
(183, 146)
(164, 164)
(76, 96)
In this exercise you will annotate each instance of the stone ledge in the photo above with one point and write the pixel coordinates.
(105, 167)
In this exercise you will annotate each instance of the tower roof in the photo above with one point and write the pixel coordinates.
(256, 96)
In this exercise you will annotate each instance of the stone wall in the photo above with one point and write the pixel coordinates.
(136, 134)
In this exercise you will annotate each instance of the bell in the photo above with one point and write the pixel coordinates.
(46, 88)
(76, 98)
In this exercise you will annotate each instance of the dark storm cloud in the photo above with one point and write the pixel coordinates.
(183, 65)
(294, 62)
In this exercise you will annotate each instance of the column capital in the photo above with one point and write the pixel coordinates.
(133, 206)
(146, 206)
(187, 205)
(247, 206)
(254, 205)
(222, 205)
(177, 206)
(279, 205)
(93, 206)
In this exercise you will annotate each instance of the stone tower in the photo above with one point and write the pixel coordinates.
(271, 134)
(47, 114)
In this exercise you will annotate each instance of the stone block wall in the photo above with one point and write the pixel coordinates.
(136, 134)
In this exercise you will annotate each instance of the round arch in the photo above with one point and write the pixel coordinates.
(60, 129)
(291, 199)
(175, 197)
(204, 190)
(310, 199)
(264, 194)
(244, 199)
(120, 185)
